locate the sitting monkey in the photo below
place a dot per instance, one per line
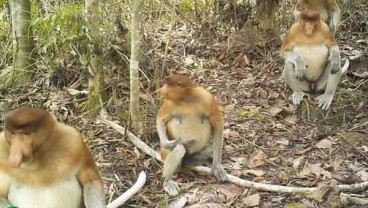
(312, 59)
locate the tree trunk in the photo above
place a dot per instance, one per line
(96, 93)
(266, 12)
(20, 13)
(134, 67)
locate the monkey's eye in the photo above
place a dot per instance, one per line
(180, 84)
(12, 132)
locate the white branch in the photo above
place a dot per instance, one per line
(130, 192)
(233, 179)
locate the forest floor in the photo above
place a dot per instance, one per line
(267, 138)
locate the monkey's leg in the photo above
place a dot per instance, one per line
(297, 86)
(329, 82)
(216, 169)
(171, 164)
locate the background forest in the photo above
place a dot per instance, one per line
(108, 57)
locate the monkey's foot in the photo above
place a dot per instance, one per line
(219, 173)
(171, 187)
(324, 101)
(298, 97)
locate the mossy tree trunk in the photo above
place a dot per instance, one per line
(20, 13)
(96, 93)
(135, 113)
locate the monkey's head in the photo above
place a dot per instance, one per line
(310, 20)
(176, 87)
(27, 130)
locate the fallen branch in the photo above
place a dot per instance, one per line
(233, 179)
(130, 192)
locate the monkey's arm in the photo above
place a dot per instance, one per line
(299, 64)
(90, 179)
(218, 128)
(334, 59)
(335, 15)
(4, 190)
(163, 117)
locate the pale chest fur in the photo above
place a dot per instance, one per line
(67, 193)
(315, 58)
(191, 123)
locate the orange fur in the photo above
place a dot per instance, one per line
(319, 5)
(187, 101)
(297, 34)
(56, 152)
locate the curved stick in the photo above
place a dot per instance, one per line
(233, 179)
(130, 192)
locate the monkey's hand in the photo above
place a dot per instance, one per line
(170, 144)
(188, 143)
(334, 60)
(300, 67)
(171, 187)
(219, 173)
(325, 100)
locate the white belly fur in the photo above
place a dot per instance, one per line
(315, 58)
(200, 130)
(66, 194)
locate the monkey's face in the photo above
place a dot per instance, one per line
(21, 149)
(309, 27)
(173, 92)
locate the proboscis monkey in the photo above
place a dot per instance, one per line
(312, 59)
(46, 164)
(329, 9)
(186, 123)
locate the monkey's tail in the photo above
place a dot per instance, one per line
(344, 69)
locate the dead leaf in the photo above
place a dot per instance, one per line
(324, 144)
(246, 60)
(252, 200)
(283, 141)
(257, 159)
(238, 163)
(361, 75)
(365, 148)
(292, 119)
(363, 175)
(298, 162)
(257, 173)
(314, 169)
(179, 203)
(274, 111)
(230, 190)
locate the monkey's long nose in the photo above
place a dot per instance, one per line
(15, 159)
